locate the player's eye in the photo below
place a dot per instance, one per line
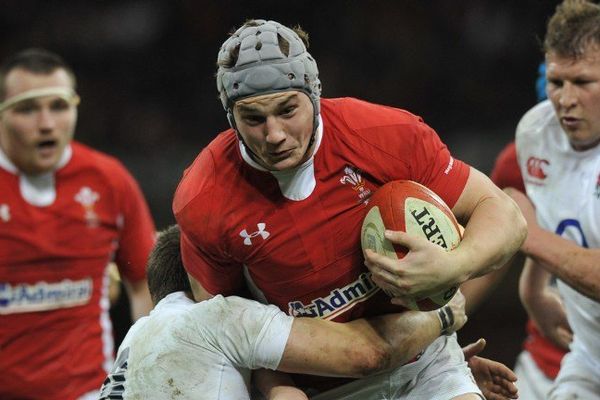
(25, 107)
(59, 105)
(253, 119)
(288, 110)
(555, 82)
(582, 82)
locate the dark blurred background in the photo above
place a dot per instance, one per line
(145, 74)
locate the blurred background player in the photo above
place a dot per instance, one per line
(296, 171)
(66, 211)
(207, 349)
(558, 151)
(538, 363)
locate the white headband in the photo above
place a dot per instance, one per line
(65, 93)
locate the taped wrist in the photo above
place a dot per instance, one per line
(446, 317)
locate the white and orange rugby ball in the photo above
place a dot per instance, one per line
(412, 208)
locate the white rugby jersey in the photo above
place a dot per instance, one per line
(564, 185)
(205, 350)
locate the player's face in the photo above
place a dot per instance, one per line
(277, 128)
(35, 132)
(574, 90)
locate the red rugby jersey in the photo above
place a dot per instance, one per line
(305, 256)
(55, 332)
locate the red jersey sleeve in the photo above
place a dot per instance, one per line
(401, 146)
(433, 166)
(204, 252)
(506, 172)
(137, 231)
(216, 277)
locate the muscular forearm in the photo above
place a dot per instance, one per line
(358, 348)
(577, 266)
(532, 284)
(493, 235)
(494, 232)
(543, 304)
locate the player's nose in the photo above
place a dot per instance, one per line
(46, 121)
(568, 95)
(274, 132)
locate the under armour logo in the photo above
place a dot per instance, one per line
(248, 236)
(4, 212)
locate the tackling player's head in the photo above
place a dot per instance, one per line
(166, 273)
(572, 47)
(269, 86)
(38, 110)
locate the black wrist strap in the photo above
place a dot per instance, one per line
(446, 317)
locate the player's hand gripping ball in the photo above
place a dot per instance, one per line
(412, 208)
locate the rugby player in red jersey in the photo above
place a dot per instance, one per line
(277, 203)
(66, 211)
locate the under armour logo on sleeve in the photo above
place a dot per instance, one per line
(260, 232)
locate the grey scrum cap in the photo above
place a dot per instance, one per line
(261, 66)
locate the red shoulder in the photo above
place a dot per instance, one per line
(359, 114)
(506, 171)
(85, 156)
(199, 184)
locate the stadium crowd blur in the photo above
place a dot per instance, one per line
(146, 77)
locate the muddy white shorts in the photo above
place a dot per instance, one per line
(440, 374)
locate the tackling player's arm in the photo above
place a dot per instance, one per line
(575, 265)
(366, 346)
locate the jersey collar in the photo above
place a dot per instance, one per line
(8, 165)
(295, 183)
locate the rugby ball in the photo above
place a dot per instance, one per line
(410, 207)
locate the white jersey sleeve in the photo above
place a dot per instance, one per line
(198, 350)
(250, 334)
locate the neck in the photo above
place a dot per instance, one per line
(585, 146)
